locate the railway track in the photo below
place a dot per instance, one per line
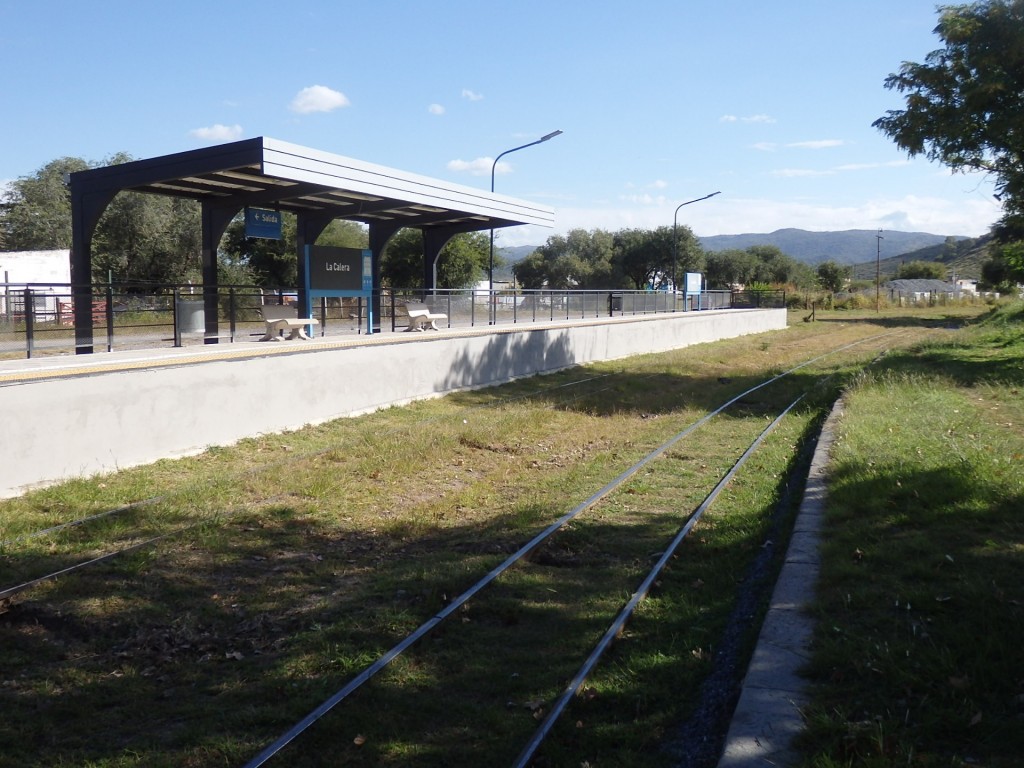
(573, 532)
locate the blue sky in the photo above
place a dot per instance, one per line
(660, 101)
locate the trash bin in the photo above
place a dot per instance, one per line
(190, 316)
(615, 302)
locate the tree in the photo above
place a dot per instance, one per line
(1004, 271)
(579, 260)
(648, 257)
(139, 238)
(531, 273)
(832, 276)
(965, 104)
(773, 267)
(36, 214)
(921, 270)
(460, 264)
(274, 263)
(730, 268)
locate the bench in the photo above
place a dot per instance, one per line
(421, 318)
(281, 317)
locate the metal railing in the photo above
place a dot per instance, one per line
(37, 319)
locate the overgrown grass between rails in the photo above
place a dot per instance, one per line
(917, 654)
(324, 546)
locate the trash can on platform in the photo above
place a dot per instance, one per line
(190, 316)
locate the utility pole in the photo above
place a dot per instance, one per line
(878, 271)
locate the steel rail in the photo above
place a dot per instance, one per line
(627, 611)
(385, 659)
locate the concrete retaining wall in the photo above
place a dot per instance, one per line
(76, 426)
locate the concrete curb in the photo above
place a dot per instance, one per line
(768, 715)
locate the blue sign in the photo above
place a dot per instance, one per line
(260, 222)
(367, 271)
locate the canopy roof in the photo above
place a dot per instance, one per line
(265, 172)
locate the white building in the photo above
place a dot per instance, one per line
(46, 273)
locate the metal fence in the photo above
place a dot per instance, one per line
(37, 319)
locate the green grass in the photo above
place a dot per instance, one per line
(301, 557)
(917, 654)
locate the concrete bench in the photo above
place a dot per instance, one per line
(421, 317)
(282, 317)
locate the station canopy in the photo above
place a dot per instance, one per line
(287, 177)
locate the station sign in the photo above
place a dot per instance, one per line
(259, 222)
(338, 271)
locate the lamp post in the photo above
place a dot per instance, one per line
(675, 240)
(490, 267)
(878, 271)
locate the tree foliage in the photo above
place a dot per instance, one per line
(833, 276)
(965, 103)
(139, 238)
(462, 261)
(36, 214)
(596, 259)
(764, 265)
(730, 268)
(648, 258)
(921, 270)
(577, 260)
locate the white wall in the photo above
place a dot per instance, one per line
(35, 266)
(112, 415)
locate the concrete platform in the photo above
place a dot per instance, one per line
(75, 416)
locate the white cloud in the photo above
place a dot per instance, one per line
(660, 184)
(479, 167)
(318, 98)
(435, 109)
(217, 132)
(471, 95)
(796, 173)
(747, 119)
(644, 199)
(766, 146)
(819, 144)
(872, 166)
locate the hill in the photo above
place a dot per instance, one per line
(855, 247)
(964, 258)
(850, 246)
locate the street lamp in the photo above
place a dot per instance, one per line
(878, 272)
(490, 268)
(675, 240)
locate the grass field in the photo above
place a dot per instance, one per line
(918, 656)
(289, 563)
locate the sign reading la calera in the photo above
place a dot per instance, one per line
(337, 269)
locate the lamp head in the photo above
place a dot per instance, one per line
(551, 135)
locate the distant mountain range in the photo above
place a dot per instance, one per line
(851, 246)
